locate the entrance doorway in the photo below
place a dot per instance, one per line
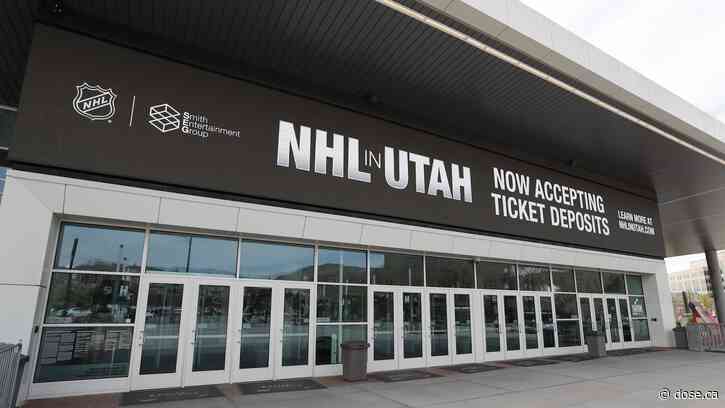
(197, 331)
(399, 322)
(608, 315)
(517, 325)
(418, 327)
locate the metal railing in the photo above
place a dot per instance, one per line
(11, 369)
(706, 336)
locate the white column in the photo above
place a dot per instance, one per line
(26, 227)
(713, 267)
(658, 301)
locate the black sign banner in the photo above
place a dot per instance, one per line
(99, 108)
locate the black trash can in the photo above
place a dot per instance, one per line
(680, 337)
(354, 360)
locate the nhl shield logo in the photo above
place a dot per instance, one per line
(94, 102)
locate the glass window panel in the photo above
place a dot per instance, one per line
(104, 249)
(412, 325)
(383, 326)
(168, 252)
(462, 314)
(511, 318)
(438, 325)
(586, 315)
(547, 322)
(634, 285)
(495, 275)
(256, 327)
(613, 282)
(341, 265)
(396, 269)
(268, 260)
(566, 307)
(296, 327)
(331, 336)
(626, 327)
(637, 305)
(640, 327)
(161, 328)
(338, 303)
(213, 256)
(83, 353)
(563, 279)
(192, 254)
(210, 336)
(531, 331)
(87, 298)
(534, 278)
(599, 316)
(588, 281)
(568, 331)
(448, 273)
(493, 334)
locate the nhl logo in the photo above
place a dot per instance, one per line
(94, 102)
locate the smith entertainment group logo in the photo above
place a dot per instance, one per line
(164, 117)
(94, 102)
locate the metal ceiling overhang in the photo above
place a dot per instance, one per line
(369, 57)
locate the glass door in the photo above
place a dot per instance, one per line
(412, 340)
(512, 327)
(397, 317)
(383, 351)
(493, 335)
(253, 306)
(439, 352)
(599, 322)
(548, 325)
(164, 319)
(530, 317)
(588, 324)
(208, 348)
(613, 323)
(462, 322)
(295, 341)
(626, 322)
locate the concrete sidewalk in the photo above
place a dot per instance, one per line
(628, 381)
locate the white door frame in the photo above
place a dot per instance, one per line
(166, 380)
(494, 355)
(392, 363)
(620, 344)
(473, 309)
(192, 377)
(512, 354)
(280, 371)
(444, 359)
(631, 342)
(539, 349)
(236, 311)
(547, 351)
(415, 362)
(398, 361)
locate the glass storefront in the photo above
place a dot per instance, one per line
(251, 309)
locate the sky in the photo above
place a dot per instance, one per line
(677, 44)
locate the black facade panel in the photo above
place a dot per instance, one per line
(112, 111)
